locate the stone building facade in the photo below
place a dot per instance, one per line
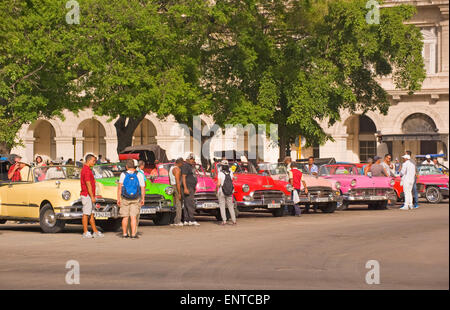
(418, 122)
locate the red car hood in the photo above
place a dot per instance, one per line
(256, 180)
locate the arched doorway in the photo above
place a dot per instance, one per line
(44, 139)
(145, 133)
(93, 134)
(361, 140)
(419, 124)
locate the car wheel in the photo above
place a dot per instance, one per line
(2, 221)
(329, 207)
(278, 212)
(48, 221)
(382, 205)
(110, 225)
(372, 206)
(342, 206)
(433, 194)
(162, 218)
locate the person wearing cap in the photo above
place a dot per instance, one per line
(14, 170)
(130, 207)
(189, 182)
(288, 161)
(408, 174)
(225, 201)
(414, 190)
(427, 160)
(377, 169)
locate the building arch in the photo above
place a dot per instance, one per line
(92, 133)
(145, 133)
(43, 134)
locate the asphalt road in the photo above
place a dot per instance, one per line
(315, 251)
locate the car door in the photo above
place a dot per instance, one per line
(15, 198)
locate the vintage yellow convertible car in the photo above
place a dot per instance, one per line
(51, 195)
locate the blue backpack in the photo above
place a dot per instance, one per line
(130, 187)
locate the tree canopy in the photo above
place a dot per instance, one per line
(292, 63)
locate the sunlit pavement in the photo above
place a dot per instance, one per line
(314, 251)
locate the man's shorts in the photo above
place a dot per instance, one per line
(87, 205)
(130, 207)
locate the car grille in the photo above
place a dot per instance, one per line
(371, 191)
(205, 196)
(319, 191)
(261, 195)
(153, 198)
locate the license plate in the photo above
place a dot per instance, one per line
(377, 198)
(210, 205)
(148, 211)
(322, 199)
(273, 205)
(101, 215)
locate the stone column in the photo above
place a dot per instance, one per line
(79, 148)
(111, 149)
(64, 147)
(28, 149)
(337, 149)
(444, 50)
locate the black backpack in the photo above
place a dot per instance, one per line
(227, 186)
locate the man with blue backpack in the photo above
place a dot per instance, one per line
(130, 197)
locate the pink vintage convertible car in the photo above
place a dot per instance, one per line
(206, 200)
(359, 189)
(435, 181)
(323, 193)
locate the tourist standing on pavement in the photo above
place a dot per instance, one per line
(295, 178)
(388, 165)
(88, 197)
(140, 170)
(225, 191)
(175, 181)
(189, 182)
(377, 169)
(415, 192)
(130, 197)
(288, 162)
(408, 174)
(312, 168)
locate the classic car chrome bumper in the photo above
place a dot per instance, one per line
(156, 207)
(316, 200)
(360, 198)
(265, 204)
(369, 194)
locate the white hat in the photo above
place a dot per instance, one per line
(224, 162)
(428, 156)
(406, 156)
(135, 163)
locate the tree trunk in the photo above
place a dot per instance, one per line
(125, 131)
(4, 149)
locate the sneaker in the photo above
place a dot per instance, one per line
(98, 234)
(416, 207)
(87, 235)
(194, 223)
(125, 236)
(186, 223)
(134, 237)
(404, 208)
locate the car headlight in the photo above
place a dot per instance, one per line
(245, 188)
(353, 182)
(169, 190)
(66, 195)
(392, 182)
(338, 185)
(289, 187)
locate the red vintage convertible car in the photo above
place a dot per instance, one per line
(253, 192)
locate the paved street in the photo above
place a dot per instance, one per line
(315, 251)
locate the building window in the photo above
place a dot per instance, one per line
(316, 151)
(367, 149)
(429, 50)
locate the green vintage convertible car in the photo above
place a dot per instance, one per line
(158, 205)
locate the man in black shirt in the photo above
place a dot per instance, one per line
(189, 181)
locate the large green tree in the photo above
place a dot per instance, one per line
(35, 54)
(142, 57)
(296, 63)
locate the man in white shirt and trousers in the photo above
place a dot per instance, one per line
(408, 174)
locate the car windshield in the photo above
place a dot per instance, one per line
(55, 173)
(338, 170)
(428, 170)
(240, 167)
(272, 169)
(108, 171)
